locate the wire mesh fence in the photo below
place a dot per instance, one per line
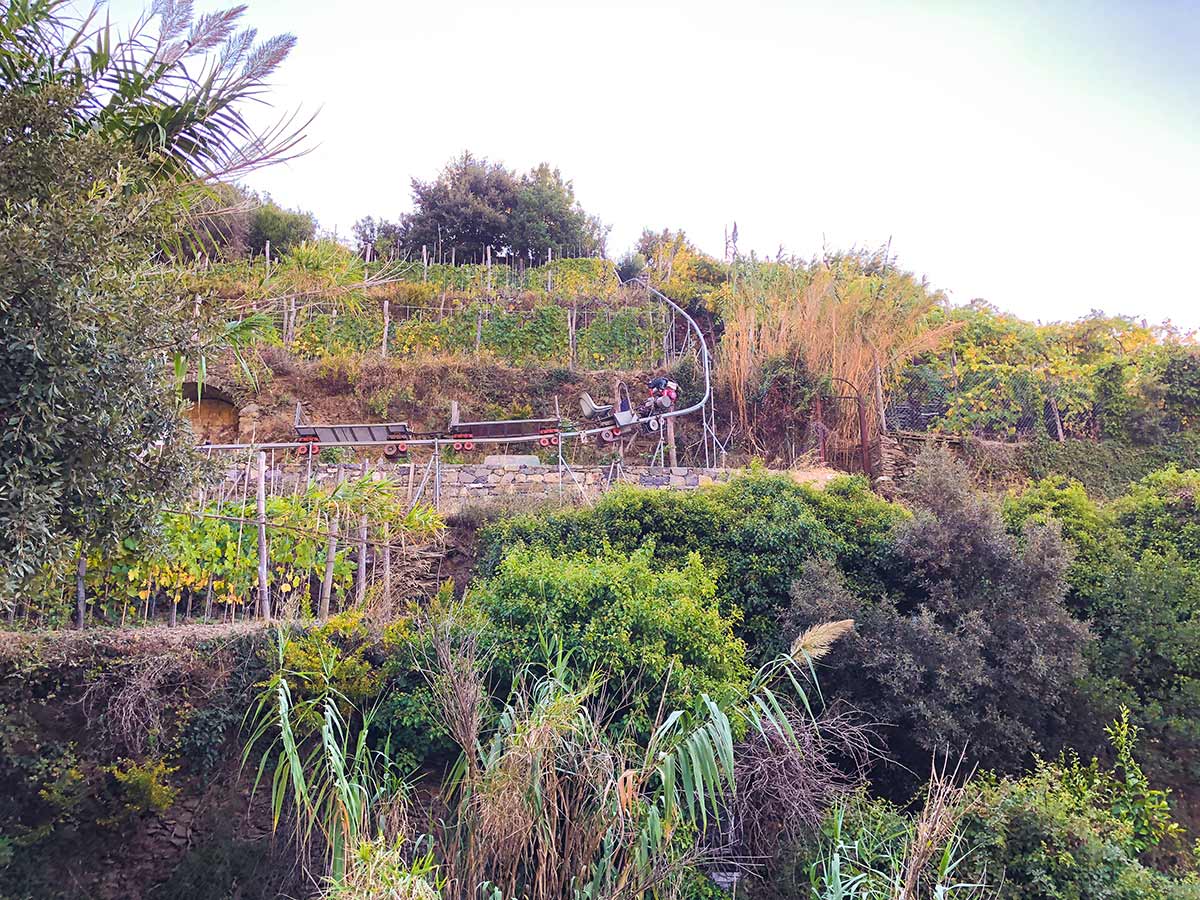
(998, 403)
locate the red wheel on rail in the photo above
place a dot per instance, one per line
(314, 448)
(402, 447)
(544, 442)
(608, 435)
(458, 445)
(390, 451)
(554, 440)
(468, 445)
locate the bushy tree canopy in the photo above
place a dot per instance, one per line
(474, 204)
(91, 428)
(283, 228)
(650, 631)
(971, 646)
(104, 140)
(756, 532)
(1136, 580)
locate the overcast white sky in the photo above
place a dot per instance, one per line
(1042, 156)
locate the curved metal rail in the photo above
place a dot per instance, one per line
(523, 439)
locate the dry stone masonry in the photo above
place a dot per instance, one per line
(461, 485)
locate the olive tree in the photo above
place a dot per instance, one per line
(105, 142)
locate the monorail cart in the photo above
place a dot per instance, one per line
(394, 436)
(464, 434)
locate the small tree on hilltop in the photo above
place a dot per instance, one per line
(474, 204)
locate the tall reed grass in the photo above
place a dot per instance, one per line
(848, 320)
(549, 799)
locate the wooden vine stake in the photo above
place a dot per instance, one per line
(330, 553)
(387, 563)
(360, 586)
(264, 590)
(81, 589)
(572, 318)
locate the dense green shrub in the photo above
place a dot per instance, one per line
(1181, 378)
(970, 646)
(1148, 628)
(1136, 580)
(644, 628)
(1068, 830)
(1161, 512)
(1104, 468)
(1063, 831)
(1087, 526)
(756, 531)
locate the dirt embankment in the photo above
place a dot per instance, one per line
(120, 769)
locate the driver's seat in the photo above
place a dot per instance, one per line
(593, 410)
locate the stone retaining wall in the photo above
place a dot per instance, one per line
(461, 485)
(464, 484)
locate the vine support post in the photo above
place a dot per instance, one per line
(819, 419)
(880, 401)
(387, 563)
(264, 590)
(572, 318)
(360, 585)
(330, 553)
(437, 474)
(387, 322)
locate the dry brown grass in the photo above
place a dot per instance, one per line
(946, 802)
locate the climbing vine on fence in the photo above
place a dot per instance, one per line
(606, 338)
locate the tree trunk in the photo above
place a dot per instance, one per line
(80, 590)
(1058, 426)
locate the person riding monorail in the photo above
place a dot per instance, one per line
(663, 394)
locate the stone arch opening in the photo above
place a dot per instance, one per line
(213, 414)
